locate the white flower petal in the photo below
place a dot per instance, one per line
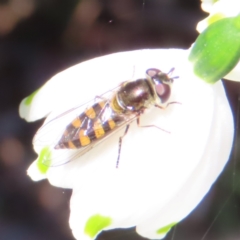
(220, 9)
(207, 5)
(166, 187)
(201, 179)
(98, 75)
(133, 65)
(161, 176)
(72, 86)
(35, 173)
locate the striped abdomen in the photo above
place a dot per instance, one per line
(93, 124)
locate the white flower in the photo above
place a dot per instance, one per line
(207, 5)
(218, 10)
(161, 176)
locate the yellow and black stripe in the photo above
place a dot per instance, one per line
(89, 127)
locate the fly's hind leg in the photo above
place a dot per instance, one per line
(120, 144)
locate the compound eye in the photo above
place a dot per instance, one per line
(160, 89)
(163, 91)
(152, 72)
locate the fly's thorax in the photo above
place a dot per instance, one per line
(135, 96)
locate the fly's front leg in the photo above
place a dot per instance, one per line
(161, 107)
(138, 123)
(120, 144)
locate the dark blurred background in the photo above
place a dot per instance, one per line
(39, 38)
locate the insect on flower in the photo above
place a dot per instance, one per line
(93, 121)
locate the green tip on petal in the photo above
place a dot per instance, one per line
(215, 18)
(95, 224)
(164, 230)
(217, 50)
(28, 100)
(44, 160)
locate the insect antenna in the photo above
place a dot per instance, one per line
(170, 73)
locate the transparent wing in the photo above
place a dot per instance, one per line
(49, 135)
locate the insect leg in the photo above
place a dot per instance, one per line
(173, 103)
(138, 123)
(120, 144)
(161, 107)
(99, 97)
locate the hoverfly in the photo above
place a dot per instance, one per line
(93, 122)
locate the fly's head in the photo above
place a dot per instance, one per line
(161, 83)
